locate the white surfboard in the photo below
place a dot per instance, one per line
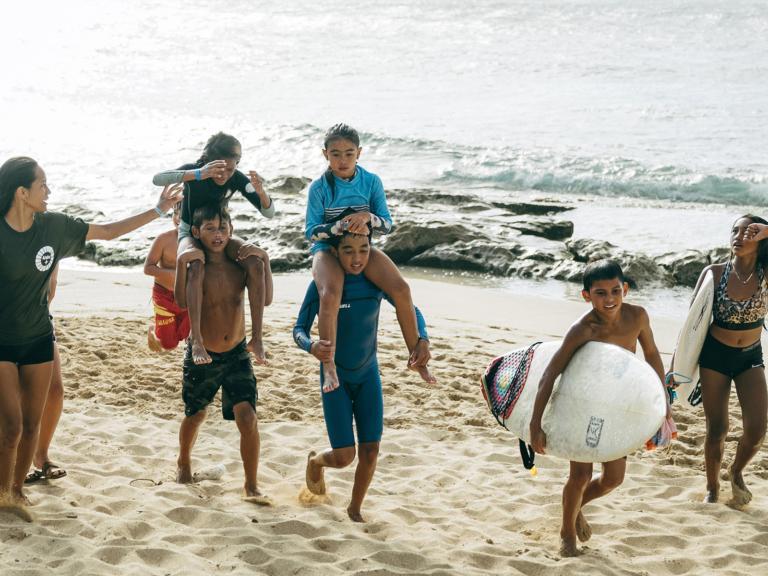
(691, 340)
(606, 404)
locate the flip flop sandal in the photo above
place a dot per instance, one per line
(34, 476)
(50, 471)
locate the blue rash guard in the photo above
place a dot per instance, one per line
(359, 393)
(326, 207)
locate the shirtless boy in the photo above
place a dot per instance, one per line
(171, 322)
(613, 322)
(222, 324)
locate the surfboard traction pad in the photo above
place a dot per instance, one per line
(504, 380)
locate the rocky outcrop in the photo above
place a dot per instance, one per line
(685, 267)
(584, 249)
(545, 228)
(80, 211)
(639, 269)
(478, 256)
(567, 270)
(410, 239)
(107, 256)
(288, 184)
(536, 209)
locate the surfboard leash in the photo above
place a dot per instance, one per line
(528, 456)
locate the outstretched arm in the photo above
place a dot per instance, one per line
(169, 197)
(575, 338)
(215, 168)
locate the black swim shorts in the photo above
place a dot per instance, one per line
(728, 360)
(38, 352)
(231, 371)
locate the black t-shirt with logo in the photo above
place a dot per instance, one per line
(27, 260)
(199, 193)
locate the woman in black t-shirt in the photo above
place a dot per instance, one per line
(212, 180)
(32, 241)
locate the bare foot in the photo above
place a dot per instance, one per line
(568, 548)
(712, 496)
(315, 476)
(184, 475)
(425, 374)
(355, 516)
(330, 380)
(741, 495)
(257, 348)
(583, 529)
(255, 496)
(200, 354)
(152, 342)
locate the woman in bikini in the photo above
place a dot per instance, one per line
(732, 352)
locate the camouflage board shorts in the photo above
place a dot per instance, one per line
(231, 371)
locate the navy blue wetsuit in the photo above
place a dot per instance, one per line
(359, 393)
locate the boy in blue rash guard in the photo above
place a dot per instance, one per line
(358, 393)
(212, 181)
(349, 198)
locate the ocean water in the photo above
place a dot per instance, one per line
(651, 118)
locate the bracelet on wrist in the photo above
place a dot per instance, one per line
(159, 212)
(197, 175)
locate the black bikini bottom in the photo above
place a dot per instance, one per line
(729, 360)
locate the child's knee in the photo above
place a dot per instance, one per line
(198, 417)
(344, 456)
(245, 417)
(330, 295)
(368, 453)
(612, 480)
(195, 271)
(253, 265)
(580, 479)
(400, 290)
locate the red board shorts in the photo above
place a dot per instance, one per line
(171, 322)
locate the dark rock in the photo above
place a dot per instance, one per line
(409, 239)
(105, 256)
(421, 196)
(640, 269)
(470, 208)
(529, 269)
(584, 249)
(80, 211)
(283, 260)
(529, 208)
(719, 255)
(685, 267)
(533, 253)
(289, 184)
(478, 255)
(568, 270)
(243, 217)
(545, 228)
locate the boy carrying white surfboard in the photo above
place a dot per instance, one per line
(613, 322)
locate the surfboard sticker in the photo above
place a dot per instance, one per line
(594, 430)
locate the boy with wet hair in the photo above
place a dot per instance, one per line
(222, 324)
(614, 322)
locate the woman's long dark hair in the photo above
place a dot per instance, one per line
(221, 146)
(762, 247)
(15, 172)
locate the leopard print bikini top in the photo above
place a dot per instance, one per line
(741, 314)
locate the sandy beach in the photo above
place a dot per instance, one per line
(450, 495)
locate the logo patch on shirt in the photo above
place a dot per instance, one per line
(44, 258)
(345, 306)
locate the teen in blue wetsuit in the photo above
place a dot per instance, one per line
(349, 198)
(358, 392)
